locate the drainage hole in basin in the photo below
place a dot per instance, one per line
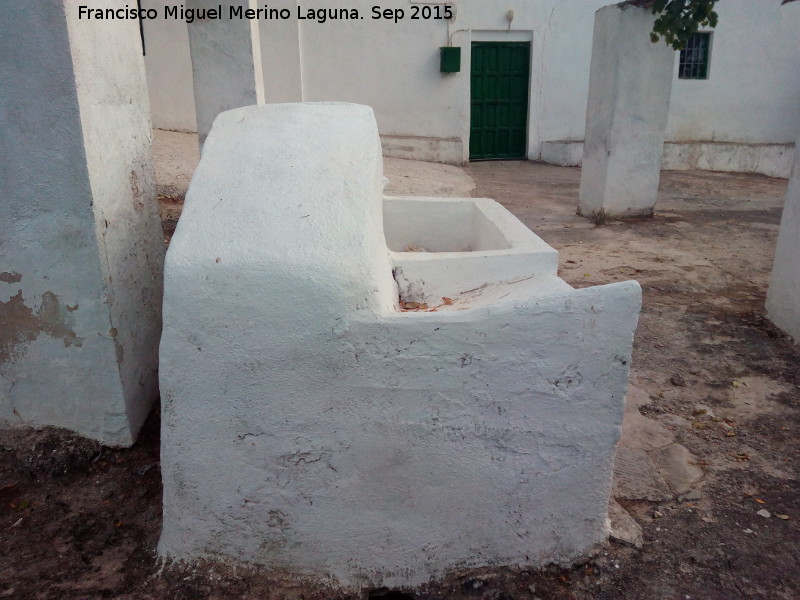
(387, 594)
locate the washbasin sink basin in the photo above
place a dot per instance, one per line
(446, 247)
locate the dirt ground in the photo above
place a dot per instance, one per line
(81, 521)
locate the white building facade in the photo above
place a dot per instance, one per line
(741, 116)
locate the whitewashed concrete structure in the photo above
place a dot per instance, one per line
(314, 424)
(81, 247)
(629, 90)
(716, 123)
(226, 67)
(783, 298)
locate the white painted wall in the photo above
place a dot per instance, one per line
(783, 298)
(81, 242)
(387, 66)
(564, 54)
(395, 69)
(751, 97)
(743, 118)
(311, 426)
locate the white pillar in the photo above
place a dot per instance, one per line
(281, 57)
(81, 247)
(783, 298)
(226, 62)
(169, 70)
(629, 89)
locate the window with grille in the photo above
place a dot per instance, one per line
(695, 57)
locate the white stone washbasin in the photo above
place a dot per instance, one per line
(314, 426)
(446, 247)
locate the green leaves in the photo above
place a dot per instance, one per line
(677, 20)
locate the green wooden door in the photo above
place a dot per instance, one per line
(499, 100)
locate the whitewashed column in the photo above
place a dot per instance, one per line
(226, 62)
(783, 298)
(629, 90)
(81, 247)
(280, 52)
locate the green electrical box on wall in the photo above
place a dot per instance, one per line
(450, 59)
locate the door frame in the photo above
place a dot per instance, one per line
(534, 82)
(517, 150)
